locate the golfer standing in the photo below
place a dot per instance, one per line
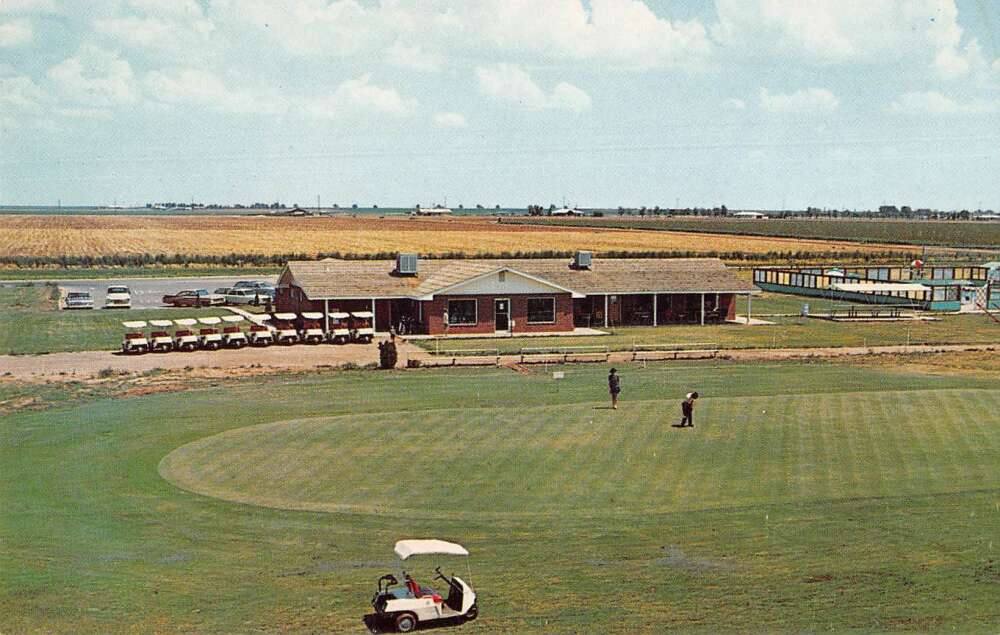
(687, 410)
(614, 387)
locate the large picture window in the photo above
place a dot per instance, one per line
(541, 310)
(461, 312)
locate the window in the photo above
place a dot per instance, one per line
(461, 312)
(541, 310)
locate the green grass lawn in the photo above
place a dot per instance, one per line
(768, 303)
(32, 322)
(809, 497)
(786, 332)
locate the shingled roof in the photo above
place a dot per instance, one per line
(328, 279)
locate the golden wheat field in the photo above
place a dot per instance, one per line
(214, 235)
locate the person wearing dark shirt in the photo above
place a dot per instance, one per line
(687, 409)
(614, 387)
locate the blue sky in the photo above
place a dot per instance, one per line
(747, 103)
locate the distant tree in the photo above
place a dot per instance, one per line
(621, 210)
(354, 206)
(498, 206)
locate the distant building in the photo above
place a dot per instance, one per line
(749, 215)
(431, 211)
(295, 211)
(566, 211)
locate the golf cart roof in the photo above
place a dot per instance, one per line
(210, 320)
(362, 314)
(161, 323)
(232, 318)
(138, 324)
(312, 315)
(340, 316)
(185, 321)
(406, 548)
(284, 316)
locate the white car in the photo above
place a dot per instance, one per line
(409, 604)
(243, 295)
(118, 297)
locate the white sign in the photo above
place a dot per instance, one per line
(559, 375)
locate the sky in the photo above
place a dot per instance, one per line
(846, 104)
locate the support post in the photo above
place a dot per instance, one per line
(326, 316)
(605, 310)
(703, 309)
(373, 315)
(749, 305)
(654, 309)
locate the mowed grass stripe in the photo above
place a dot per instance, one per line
(585, 461)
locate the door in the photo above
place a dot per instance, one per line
(501, 315)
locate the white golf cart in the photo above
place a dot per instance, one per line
(284, 325)
(135, 341)
(184, 338)
(407, 604)
(160, 340)
(340, 331)
(362, 326)
(232, 335)
(312, 328)
(210, 338)
(260, 335)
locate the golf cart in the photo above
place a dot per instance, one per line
(340, 332)
(284, 324)
(362, 326)
(135, 342)
(407, 604)
(312, 328)
(184, 338)
(210, 338)
(260, 335)
(161, 340)
(232, 335)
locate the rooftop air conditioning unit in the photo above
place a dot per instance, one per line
(406, 264)
(582, 260)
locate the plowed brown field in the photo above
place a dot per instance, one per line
(214, 235)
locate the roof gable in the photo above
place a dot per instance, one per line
(502, 281)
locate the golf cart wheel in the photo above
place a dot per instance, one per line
(406, 622)
(473, 612)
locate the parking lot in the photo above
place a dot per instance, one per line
(148, 292)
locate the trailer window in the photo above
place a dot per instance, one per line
(461, 312)
(541, 310)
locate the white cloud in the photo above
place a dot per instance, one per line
(27, 6)
(807, 100)
(19, 93)
(414, 58)
(15, 33)
(196, 86)
(359, 96)
(734, 104)
(838, 31)
(450, 120)
(620, 32)
(508, 82)
(84, 113)
(95, 76)
(935, 103)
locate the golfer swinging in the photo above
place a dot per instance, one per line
(614, 387)
(687, 409)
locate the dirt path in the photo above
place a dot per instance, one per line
(300, 357)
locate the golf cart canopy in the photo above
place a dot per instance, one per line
(365, 314)
(285, 317)
(406, 548)
(309, 315)
(138, 324)
(210, 320)
(340, 316)
(161, 323)
(232, 318)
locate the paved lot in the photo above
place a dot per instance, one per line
(147, 292)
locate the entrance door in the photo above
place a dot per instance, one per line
(501, 315)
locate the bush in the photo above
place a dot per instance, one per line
(387, 354)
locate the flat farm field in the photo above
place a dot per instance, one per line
(958, 234)
(49, 236)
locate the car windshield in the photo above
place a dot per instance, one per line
(79, 296)
(117, 289)
(201, 292)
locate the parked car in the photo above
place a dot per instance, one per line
(78, 300)
(195, 298)
(244, 295)
(118, 297)
(262, 288)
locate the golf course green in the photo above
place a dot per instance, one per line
(809, 497)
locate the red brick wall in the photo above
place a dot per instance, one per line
(434, 314)
(727, 302)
